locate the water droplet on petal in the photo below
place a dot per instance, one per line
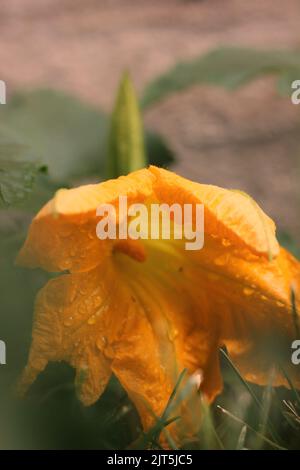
(92, 320)
(104, 347)
(97, 301)
(172, 334)
(68, 321)
(225, 242)
(248, 291)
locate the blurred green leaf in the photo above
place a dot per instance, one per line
(126, 148)
(17, 172)
(70, 137)
(228, 67)
(66, 133)
(16, 180)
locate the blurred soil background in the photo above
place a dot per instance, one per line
(247, 139)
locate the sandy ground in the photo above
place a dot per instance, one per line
(248, 139)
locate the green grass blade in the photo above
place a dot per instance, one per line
(173, 394)
(290, 382)
(240, 421)
(242, 438)
(251, 392)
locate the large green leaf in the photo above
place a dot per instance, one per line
(17, 172)
(66, 133)
(126, 147)
(228, 67)
(70, 137)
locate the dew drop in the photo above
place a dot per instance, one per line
(97, 301)
(248, 291)
(92, 320)
(68, 321)
(172, 334)
(225, 242)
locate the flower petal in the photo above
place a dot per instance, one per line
(228, 214)
(63, 234)
(69, 321)
(93, 322)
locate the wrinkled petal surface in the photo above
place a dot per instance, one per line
(147, 309)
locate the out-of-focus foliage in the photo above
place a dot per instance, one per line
(16, 180)
(228, 67)
(126, 148)
(68, 136)
(65, 133)
(17, 171)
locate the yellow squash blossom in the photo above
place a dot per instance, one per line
(146, 309)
